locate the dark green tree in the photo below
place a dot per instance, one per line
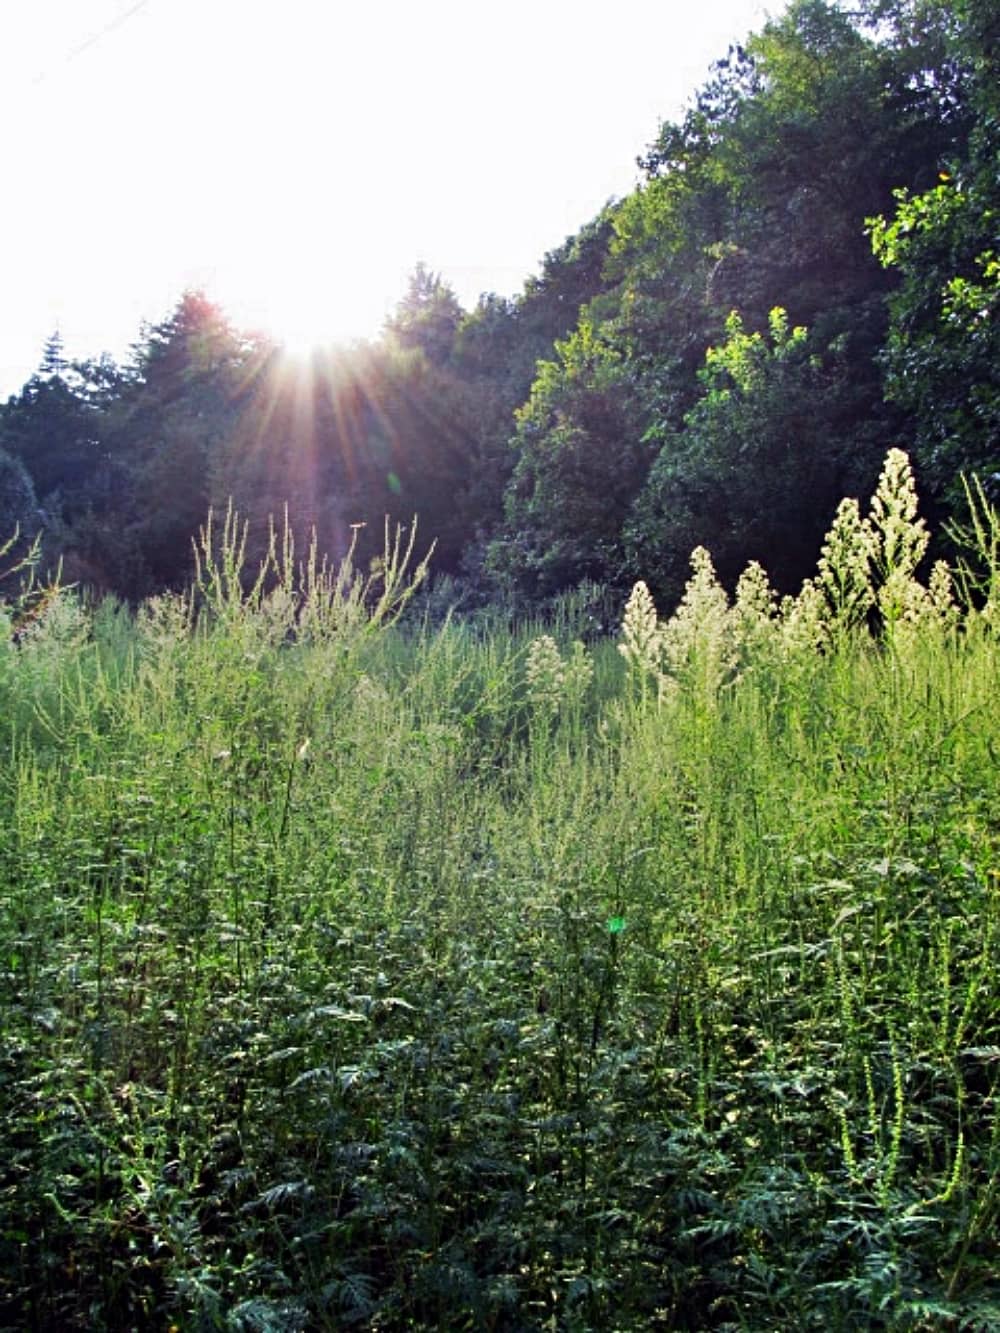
(427, 317)
(943, 353)
(18, 505)
(756, 199)
(51, 427)
(409, 451)
(497, 352)
(580, 462)
(194, 373)
(758, 467)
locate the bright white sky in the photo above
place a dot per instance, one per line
(297, 157)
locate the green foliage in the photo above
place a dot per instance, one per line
(943, 348)
(358, 974)
(497, 349)
(18, 505)
(768, 410)
(754, 201)
(428, 316)
(49, 427)
(579, 463)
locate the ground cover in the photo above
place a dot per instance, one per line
(362, 972)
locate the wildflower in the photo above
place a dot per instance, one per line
(578, 673)
(753, 611)
(845, 566)
(642, 640)
(546, 674)
(698, 641)
(941, 591)
(899, 537)
(804, 625)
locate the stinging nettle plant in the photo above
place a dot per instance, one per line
(978, 538)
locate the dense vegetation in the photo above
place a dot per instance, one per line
(547, 963)
(807, 276)
(370, 974)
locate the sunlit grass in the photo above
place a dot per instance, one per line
(358, 972)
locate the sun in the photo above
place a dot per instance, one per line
(301, 329)
(302, 305)
(301, 322)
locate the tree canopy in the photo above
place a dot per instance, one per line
(807, 275)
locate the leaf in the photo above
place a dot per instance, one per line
(278, 1195)
(275, 1057)
(310, 1076)
(354, 1294)
(263, 1316)
(336, 1012)
(349, 1076)
(985, 1053)
(846, 913)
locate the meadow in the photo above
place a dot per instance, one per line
(360, 969)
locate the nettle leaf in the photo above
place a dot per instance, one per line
(846, 913)
(320, 1074)
(281, 1194)
(277, 1056)
(354, 1294)
(350, 1076)
(335, 1012)
(260, 1316)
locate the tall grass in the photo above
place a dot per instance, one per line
(360, 971)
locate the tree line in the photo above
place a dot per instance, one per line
(807, 275)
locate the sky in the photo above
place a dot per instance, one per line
(297, 159)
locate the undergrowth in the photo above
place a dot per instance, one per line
(363, 972)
